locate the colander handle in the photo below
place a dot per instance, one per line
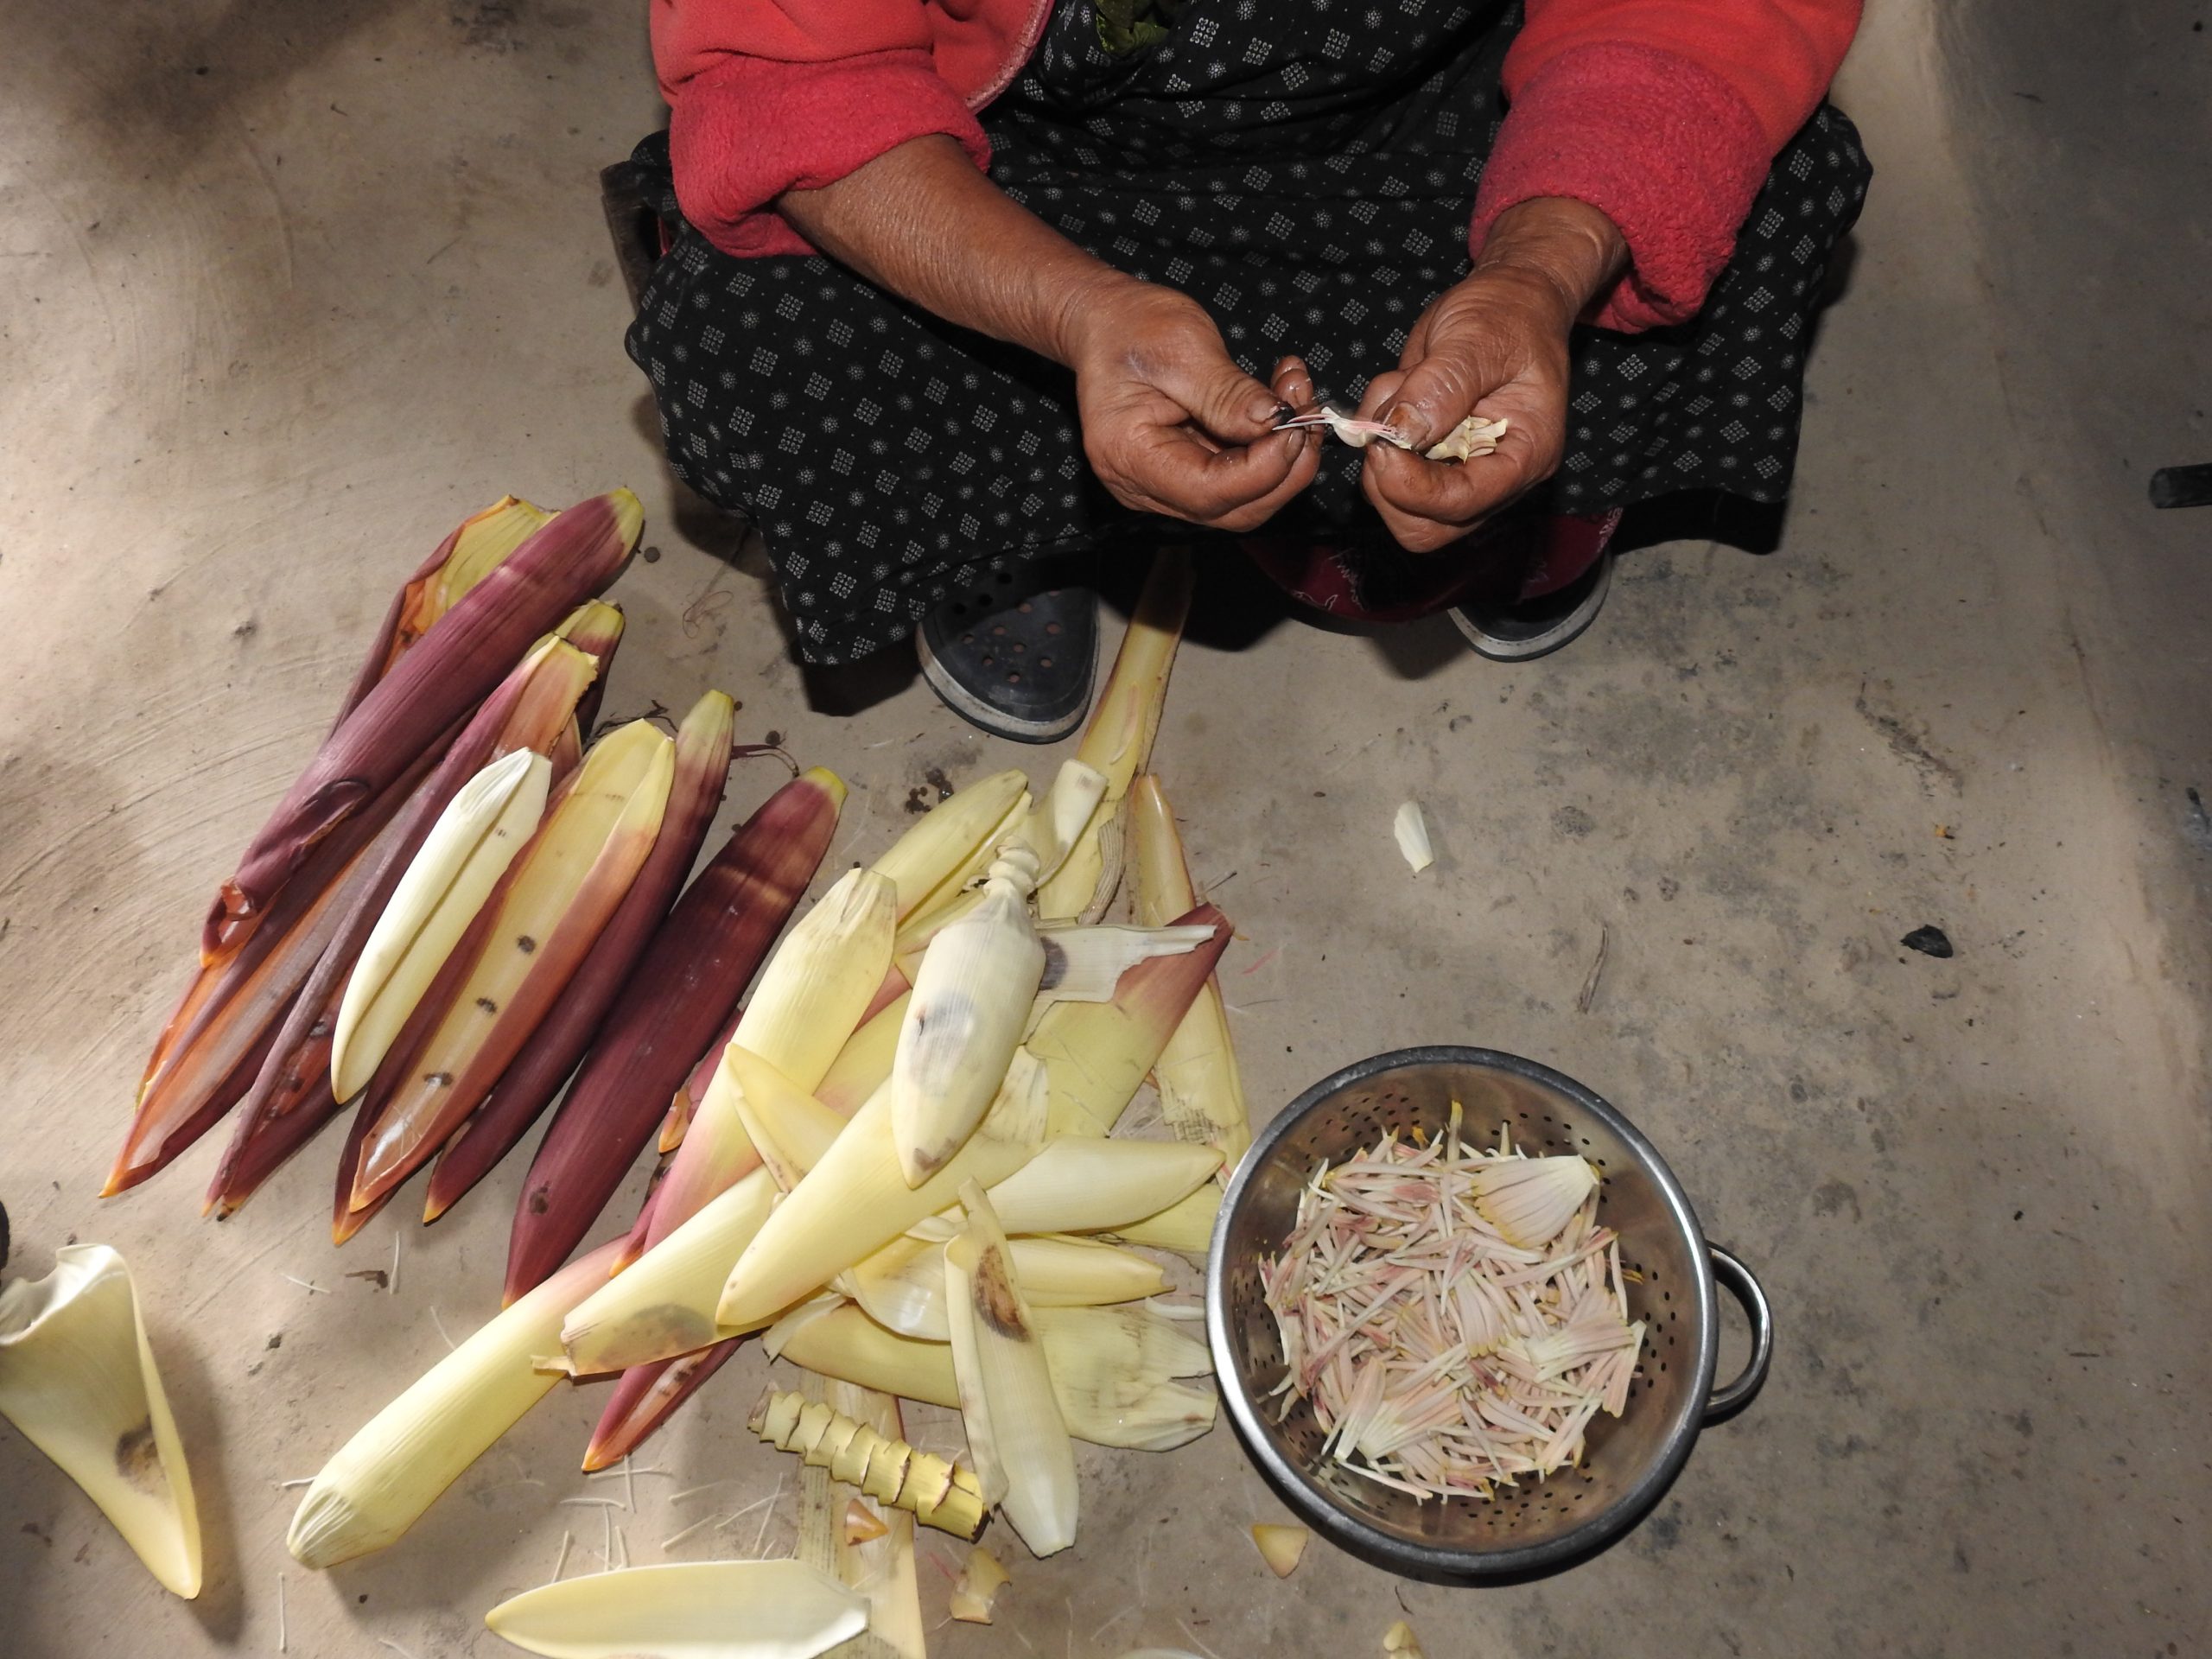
(1740, 1282)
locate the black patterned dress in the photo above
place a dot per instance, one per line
(1306, 170)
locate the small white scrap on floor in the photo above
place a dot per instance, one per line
(1412, 830)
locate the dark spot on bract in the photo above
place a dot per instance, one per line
(138, 1461)
(996, 1302)
(525, 943)
(487, 1005)
(438, 1079)
(539, 1203)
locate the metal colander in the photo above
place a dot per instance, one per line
(1628, 1463)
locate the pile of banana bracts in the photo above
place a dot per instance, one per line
(885, 1121)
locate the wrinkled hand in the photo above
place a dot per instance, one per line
(1494, 345)
(1171, 424)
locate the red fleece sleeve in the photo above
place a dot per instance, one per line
(766, 96)
(1665, 115)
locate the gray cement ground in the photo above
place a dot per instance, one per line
(285, 291)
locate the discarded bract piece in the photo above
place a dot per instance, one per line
(954, 841)
(463, 559)
(1281, 1547)
(1087, 964)
(433, 685)
(1118, 740)
(1201, 1094)
(561, 890)
(381, 1481)
(938, 1493)
(971, 1001)
(574, 1024)
(663, 1305)
(1112, 1368)
(291, 1097)
(808, 1001)
(446, 883)
(977, 1587)
(1412, 830)
(863, 1065)
(1015, 1432)
(644, 1399)
(902, 1286)
(1057, 822)
(1184, 1226)
(856, 1200)
(680, 1000)
(77, 1378)
(1078, 1184)
(862, 1525)
(1095, 1054)
(701, 1610)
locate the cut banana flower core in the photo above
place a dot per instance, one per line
(936, 1493)
(972, 998)
(461, 860)
(77, 1378)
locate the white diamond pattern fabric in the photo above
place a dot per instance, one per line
(1306, 170)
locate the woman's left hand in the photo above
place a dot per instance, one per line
(1494, 345)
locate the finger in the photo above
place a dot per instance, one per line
(1426, 505)
(1222, 398)
(1293, 382)
(1196, 480)
(1380, 389)
(1437, 393)
(1252, 515)
(1451, 494)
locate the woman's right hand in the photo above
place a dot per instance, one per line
(1170, 425)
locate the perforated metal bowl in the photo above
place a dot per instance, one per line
(1628, 1463)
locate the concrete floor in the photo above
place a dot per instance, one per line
(285, 291)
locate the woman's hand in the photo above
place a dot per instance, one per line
(1170, 424)
(1494, 345)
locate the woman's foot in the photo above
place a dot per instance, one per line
(1020, 668)
(1516, 630)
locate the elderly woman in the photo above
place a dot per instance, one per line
(965, 293)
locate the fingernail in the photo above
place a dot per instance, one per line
(1409, 422)
(1283, 412)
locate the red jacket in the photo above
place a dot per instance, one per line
(1665, 114)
